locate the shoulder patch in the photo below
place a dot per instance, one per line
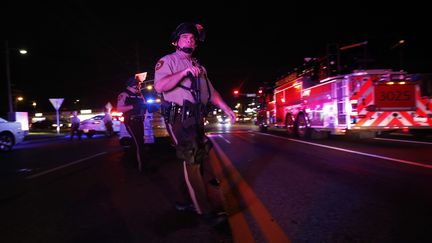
(121, 96)
(159, 64)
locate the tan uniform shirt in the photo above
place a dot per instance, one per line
(173, 63)
(121, 100)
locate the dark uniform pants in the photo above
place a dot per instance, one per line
(135, 127)
(192, 147)
(75, 129)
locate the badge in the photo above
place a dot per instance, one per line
(159, 64)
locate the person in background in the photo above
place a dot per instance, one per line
(108, 123)
(75, 124)
(132, 104)
(186, 92)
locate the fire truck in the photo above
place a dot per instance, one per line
(362, 103)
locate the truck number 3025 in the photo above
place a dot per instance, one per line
(394, 95)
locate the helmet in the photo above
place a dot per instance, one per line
(196, 29)
(131, 82)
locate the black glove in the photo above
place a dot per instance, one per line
(152, 107)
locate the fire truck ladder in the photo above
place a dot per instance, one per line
(342, 101)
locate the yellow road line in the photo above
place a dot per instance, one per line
(270, 229)
(239, 227)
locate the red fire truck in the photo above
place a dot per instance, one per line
(362, 102)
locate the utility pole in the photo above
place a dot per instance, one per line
(11, 115)
(399, 45)
(9, 89)
(333, 59)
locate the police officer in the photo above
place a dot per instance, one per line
(107, 119)
(75, 123)
(132, 104)
(187, 90)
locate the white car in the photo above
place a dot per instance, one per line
(154, 129)
(223, 119)
(96, 125)
(11, 133)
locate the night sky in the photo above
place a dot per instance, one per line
(86, 51)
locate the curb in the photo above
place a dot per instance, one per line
(42, 136)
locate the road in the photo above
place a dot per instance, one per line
(275, 188)
(91, 191)
(334, 190)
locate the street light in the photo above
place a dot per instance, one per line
(400, 44)
(8, 79)
(34, 104)
(18, 99)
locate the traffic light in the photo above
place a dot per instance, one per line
(260, 91)
(236, 92)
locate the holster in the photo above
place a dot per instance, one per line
(169, 111)
(193, 113)
(190, 113)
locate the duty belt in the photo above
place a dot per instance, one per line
(135, 117)
(172, 111)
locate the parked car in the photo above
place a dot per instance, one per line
(10, 134)
(243, 119)
(50, 125)
(96, 125)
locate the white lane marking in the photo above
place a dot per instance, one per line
(63, 166)
(402, 141)
(355, 152)
(226, 140)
